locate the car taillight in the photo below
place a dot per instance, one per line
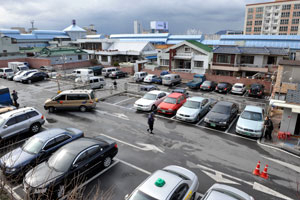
(42, 117)
(208, 87)
(225, 89)
(249, 91)
(216, 87)
(91, 101)
(260, 92)
(116, 145)
(4, 74)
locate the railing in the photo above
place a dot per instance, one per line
(182, 70)
(183, 54)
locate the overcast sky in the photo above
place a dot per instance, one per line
(117, 16)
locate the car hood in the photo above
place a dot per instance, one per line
(188, 111)
(166, 106)
(16, 158)
(217, 117)
(194, 82)
(41, 176)
(17, 77)
(145, 102)
(250, 124)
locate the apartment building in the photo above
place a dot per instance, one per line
(280, 17)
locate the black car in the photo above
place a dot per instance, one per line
(223, 87)
(34, 77)
(208, 86)
(221, 115)
(256, 90)
(148, 88)
(69, 166)
(117, 74)
(97, 70)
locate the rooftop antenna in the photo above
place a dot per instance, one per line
(32, 24)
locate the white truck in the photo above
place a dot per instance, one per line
(17, 66)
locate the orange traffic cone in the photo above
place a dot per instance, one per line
(256, 172)
(264, 174)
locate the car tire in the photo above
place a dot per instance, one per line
(35, 128)
(51, 109)
(153, 108)
(107, 162)
(82, 108)
(198, 118)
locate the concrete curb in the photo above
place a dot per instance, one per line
(282, 148)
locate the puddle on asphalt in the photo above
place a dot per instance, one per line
(50, 120)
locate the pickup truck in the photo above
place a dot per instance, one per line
(197, 81)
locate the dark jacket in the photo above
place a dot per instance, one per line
(150, 118)
(15, 96)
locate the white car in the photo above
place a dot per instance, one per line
(225, 192)
(149, 77)
(251, 122)
(150, 100)
(21, 74)
(238, 88)
(6, 73)
(172, 182)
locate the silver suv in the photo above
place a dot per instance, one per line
(20, 121)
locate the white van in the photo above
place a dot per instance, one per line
(83, 73)
(107, 71)
(139, 76)
(171, 79)
(97, 82)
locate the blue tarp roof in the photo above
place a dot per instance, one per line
(151, 57)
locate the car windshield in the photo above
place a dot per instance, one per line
(19, 72)
(254, 86)
(2, 120)
(139, 195)
(9, 70)
(222, 84)
(166, 77)
(238, 86)
(206, 83)
(170, 100)
(222, 109)
(192, 104)
(33, 145)
(61, 160)
(149, 96)
(252, 116)
(198, 79)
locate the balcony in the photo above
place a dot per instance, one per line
(239, 67)
(185, 56)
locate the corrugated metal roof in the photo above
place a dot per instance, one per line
(251, 50)
(128, 46)
(48, 32)
(185, 37)
(260, 37)
(9, 31)
(153, 40)
(154, 35)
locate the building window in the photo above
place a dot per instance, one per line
(258, 16)
(257, 29)
(70, 58)
(259, 9)
(276, 14)
(269, 7)
(274, 27)
(269, 14)
(272, 60)
(187, 49)
(249, 23)
(164, 62)
(104, 58)
(296, 14)
(250, 17)
(247, 59)
(293, 33)
(286, 7)
(223, 58)
(266, 28)
(295, 21)
(282, 33)
(284, 21)
(294, 28)
(248, 29)
(283, 28)
(285, 14)
(258, 22)
(79, 57)
(267, 21)
(250, 10)
(198, 64)
(296, 6)
(276, 7)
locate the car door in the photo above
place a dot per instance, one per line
(9, 128)
(180, 192)
(204, 107)
(61, 101)
(160, 98)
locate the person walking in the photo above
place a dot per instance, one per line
(151, 122)
(115, 84)
(15, 98)
(268, 128)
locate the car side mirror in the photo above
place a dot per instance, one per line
(126, 196)
(5, 126)
(74, 166)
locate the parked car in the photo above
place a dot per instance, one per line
(21, 74)
(6, 73)
(149, 78)
(97, 70)
(221, 191)
(34, 77)
(171, 103)
(208, 86)
(197, 81)
(139, 76)
(182, 91)
(193, 109)
(251, 122)
(83, 74)
(70, 163)
(171, 79)
(221, 115)
(6, 108)
(36, 149)
(223, 87)
(150, 100)
(117, 74)
(238, 88)
(97, 82)
(157, 80)
(106, 71)
(47, 68)
(148, 88)
(72, 99)
(256, 90)
(171, 182)
(20, 121)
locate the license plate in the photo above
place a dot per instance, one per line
(220, 90)
(163, 111)
(213, 124)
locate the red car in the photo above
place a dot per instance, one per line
(171, 103)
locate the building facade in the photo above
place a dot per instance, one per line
(280, 17)
(9, 49)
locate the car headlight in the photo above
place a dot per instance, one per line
(170, 109)
(11, 169)
(224, 123)
(206, 119)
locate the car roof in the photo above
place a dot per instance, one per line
(76, 92)
(225, 192)
(20, 110)
(156, 92)
(50, 133)
(199, 99)
(171, 181)
(95, 77)
(175, 95)
(223, 83)
(225, 103)
(241, 84)
(170, 75)
(253, 109)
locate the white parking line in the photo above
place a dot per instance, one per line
(18, 186)
(126, 143)
(124, 100)
(133, 166)
(200, 121)
(230, 125)
(102, 102)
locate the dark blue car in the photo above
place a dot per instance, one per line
(36, 149)
(158, 80)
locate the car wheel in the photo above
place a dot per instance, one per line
(101, 86)
(82, 108)
(198, 118)
(29, 81)
(117, 77)
(51, 109)
(35, 128)
(153, 108)
(107, 162)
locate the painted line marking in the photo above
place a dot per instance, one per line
(276, 148)
(102, 102)
(124, 100)
(230, 125)
(135, 167)
(118, 115)
(200, 121)
(288, 165)
(18, 186)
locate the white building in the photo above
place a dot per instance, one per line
(74, 31)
